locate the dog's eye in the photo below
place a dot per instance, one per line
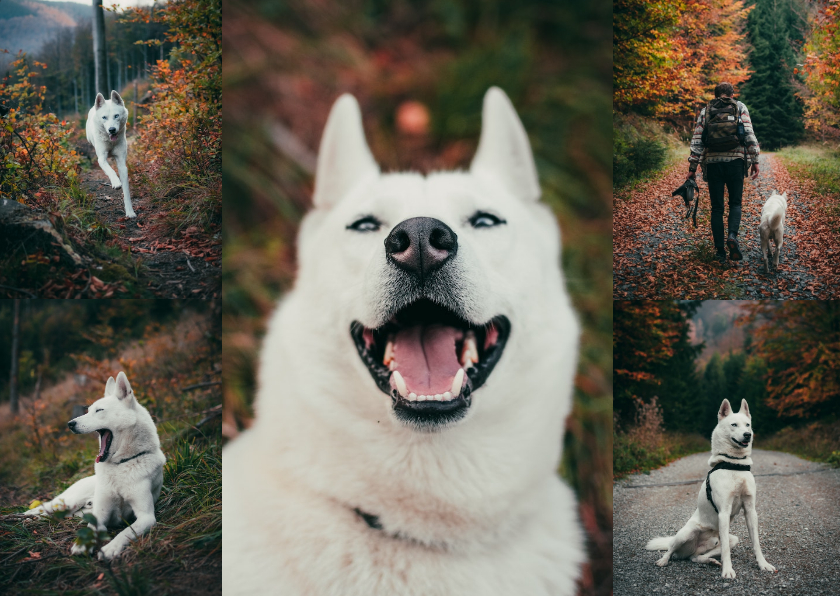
(366, 224)
(485, 220)
(99, 410)
(733, 424)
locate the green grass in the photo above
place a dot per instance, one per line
(818, 441)
(642, 150)
(820, 164)
(632, 457)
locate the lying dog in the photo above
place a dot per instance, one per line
(128, 471)
(413, 387)
(105, 130)
(773, 226)
(729, 488)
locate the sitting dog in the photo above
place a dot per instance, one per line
(128, 470)
(773, 226)
(105, 130)
(729, 488)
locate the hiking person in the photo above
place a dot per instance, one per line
(725, 147)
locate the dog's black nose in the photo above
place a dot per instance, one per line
(112, 130)
(72, 425)
(420, 245)
(747, 436)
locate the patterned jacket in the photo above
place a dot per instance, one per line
(699, 154)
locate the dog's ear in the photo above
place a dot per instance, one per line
(115, 97)
(504, 152)
(745, 409)
(123, 386)
(99, 101)
(344, 158)
(784, 195)
(725, 410)
(110, 386)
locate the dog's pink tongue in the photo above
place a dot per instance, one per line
(113, 137)
(426, 357)
(103, 444)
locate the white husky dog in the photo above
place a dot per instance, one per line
(413, 387)
(773, 226)
(105, 130)
(728, 488)
(128, 470)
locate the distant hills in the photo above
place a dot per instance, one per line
(27, 24)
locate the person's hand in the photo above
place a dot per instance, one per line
(691, 175)
(754, 171)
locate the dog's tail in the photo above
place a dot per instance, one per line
(776, 219)
(660, 543)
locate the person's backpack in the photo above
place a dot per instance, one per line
(724, 130)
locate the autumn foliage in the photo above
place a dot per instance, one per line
(669, 54)
(822, 71)
(35, 147)
(800, 344)
(177, 152)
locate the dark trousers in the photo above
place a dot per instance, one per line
(729, 174)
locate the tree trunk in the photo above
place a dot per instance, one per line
(99, 48)
(13, 381)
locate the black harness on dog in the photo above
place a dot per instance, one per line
(724, 465)
(122, 461)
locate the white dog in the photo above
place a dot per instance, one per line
(105, 130)
(728, 488)
(128, 470)
(413, 387)
(773, 226)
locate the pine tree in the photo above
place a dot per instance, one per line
(775, 111)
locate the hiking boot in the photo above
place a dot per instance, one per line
(734, 251)
(720, 257)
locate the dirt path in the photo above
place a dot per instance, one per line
(185, 265)
(798, 505)
(659, 254)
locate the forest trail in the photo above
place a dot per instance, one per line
(187, 265)
(797, 520)
(657, 253)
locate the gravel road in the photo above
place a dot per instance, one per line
(798, 504)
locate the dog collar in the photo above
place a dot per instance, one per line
(732, 456)
(724, 465)
(122, 461)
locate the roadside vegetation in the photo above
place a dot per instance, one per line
(171, 353)
(819, 167)
(816, 441)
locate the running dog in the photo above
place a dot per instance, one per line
(105, 130)
(728, 488)
(413, 387)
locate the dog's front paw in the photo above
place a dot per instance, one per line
(130, 214)
(110, 550)
(116, 184)
(78, 549)
(728, 573)
(765, 566)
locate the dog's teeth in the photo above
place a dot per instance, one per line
(457, 382)
(389, 351)
(438, 396)
(412, 396)
(469, 351)
(400, 383)
(447, 396)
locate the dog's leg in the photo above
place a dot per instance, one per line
(765, 245)
(103, 504)
(707, 557)
(129, 211)
(751, 517)
(143, 506)
(109, 171)
(684, 535)
(725, 547)
(779, 241)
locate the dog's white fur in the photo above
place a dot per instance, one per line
(476, 508)
(732, 491)
(105, 130)
(117, 490)
(773, 226)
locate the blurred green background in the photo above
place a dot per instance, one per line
(285, 64)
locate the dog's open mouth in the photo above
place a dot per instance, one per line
(105, 438)
(430, 360)
(113, 138)
(739, 443)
